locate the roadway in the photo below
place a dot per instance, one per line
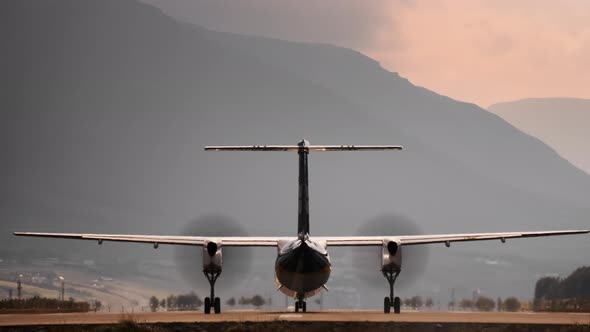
(318, 316)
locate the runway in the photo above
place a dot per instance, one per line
(319, 316)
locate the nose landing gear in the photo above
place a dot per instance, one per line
(300, 304)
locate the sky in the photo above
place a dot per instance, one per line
(480, 51)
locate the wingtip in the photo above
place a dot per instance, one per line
(21, 233)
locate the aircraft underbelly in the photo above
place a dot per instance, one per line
(302, 271)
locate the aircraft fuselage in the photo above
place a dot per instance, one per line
(302, 268)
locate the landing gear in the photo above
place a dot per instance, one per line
(207, 305)
(300, 305)
(391, 301)
(212, 302)
(396, 305)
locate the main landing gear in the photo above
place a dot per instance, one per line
(391, 301)
(212, 302)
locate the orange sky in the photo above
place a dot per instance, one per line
(486, 51)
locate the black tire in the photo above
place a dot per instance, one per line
(217, 305)
(396, 305)
(207, 306)
(386, 305)
(296, 306)
(303, 306)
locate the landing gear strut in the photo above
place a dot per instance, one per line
(391, 301)
(212, 302)
(300, 304)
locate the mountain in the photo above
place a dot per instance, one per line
(106, 106)
(562, 123)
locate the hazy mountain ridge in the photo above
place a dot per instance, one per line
(562, 123)
(109, 103)
(404, 105)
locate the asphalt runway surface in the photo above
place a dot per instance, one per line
(318, 316)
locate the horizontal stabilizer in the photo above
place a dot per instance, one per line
(253, 148)
(296, 148)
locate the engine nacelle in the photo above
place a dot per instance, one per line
(392, 256)
(212, 256)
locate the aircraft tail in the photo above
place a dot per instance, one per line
(303, 148)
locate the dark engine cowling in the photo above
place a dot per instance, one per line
(212, 256)
(391, 256)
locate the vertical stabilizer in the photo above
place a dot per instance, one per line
(303, 214)
(303, 148)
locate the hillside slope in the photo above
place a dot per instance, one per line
(562, 123)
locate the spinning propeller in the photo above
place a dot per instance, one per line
(367, 260)
(236, 261)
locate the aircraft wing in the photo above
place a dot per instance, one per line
(440, 238)
(251, 241)
(331, 241)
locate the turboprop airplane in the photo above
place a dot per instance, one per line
(303, 266)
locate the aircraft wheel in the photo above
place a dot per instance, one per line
(217, 305)
(396, 305)
(303, 307)
(207, 306)
(386, 305)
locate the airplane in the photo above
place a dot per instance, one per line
(302, 266)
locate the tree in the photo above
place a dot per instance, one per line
(244, 301)
(97, 305)
(512, 304)
(231, 302)
(189, 301)
(548, 288)
(417, 302)
(257, 301)
(163, 303)
(429, 303)
(408, 302)
(154, 303)
(196, 301)
(451, 305)
(485, 304)
(466, 304)
(171, 302)
(577, 284)
(571, 293)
